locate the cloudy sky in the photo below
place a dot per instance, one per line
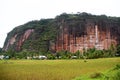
(16, 12)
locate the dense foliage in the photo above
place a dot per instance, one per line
(113, 74)
(87, 54)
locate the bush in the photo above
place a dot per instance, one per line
(93, 53)
(117, 67)
(117, 72)
(50, 55)
(114, 74)
(64, 54)
(118, 51)
(96, 75)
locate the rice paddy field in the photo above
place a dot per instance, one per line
(54, 69)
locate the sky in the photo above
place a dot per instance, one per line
(17, 12)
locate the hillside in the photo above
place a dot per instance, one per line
(69, 32)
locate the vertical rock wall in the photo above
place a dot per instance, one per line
(92, 36)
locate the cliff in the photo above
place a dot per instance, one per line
(69, 32)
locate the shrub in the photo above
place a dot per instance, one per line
(96, 75)
(116, 75)
(117, 67)
(51, 56)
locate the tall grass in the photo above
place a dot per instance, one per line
(113, 74)
(53, 69)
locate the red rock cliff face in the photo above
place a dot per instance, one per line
(18, 40)
(93, 36)
(23, 38)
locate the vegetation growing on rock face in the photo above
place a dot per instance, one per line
(46, 31)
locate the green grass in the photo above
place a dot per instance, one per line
(54, 69)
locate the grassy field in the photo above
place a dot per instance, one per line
(53, 69)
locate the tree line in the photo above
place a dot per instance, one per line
(92, 53)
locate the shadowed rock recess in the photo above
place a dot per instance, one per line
(69, 32)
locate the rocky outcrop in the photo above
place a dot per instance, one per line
(69, 32)
(11, 41)
(18, 40)
(22, 38)
(93, 36)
